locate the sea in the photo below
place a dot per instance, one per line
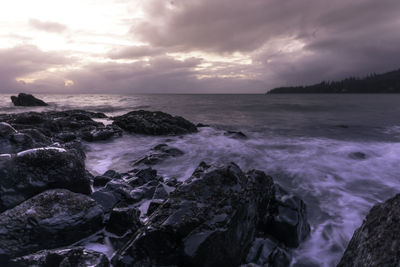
(339, 153)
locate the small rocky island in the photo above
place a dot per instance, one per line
(27, 100)
(52, 207)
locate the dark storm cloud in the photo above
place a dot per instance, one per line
(48, 26)
(340, 38)
(24, 60)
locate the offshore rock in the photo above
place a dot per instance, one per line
(33, 171)
(65, 257)
(27, 100)
(210, 220)
(52, 219)
(154, 123)
(377, 241)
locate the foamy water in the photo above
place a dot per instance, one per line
(304, 142)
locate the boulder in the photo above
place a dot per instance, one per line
(33, 171)
(65, 257)
(123, 219)
(377, 241)
(158, 154)
(154, 123)
(52, 219)
(210, 220)
(27, 100)
(286, 218)
(265, 252)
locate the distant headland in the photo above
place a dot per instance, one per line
(385, 83)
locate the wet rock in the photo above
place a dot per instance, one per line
(234, 134)
(65, 257)
(158, 154)
(377, 241)
(209, 220)
(13, 141)
(161, 192)
(33, 171)
(112, 174)
(64, 126)
(265, 252)
(106, 199)
(286, 219)
(154, 123)
(123, 219)
(201, 125)
(358, 155)
(143, 176)
(100, 181)
(154, 204)
(100, 133)
(27, 100)
(52, 219)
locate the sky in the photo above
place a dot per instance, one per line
(192, 46)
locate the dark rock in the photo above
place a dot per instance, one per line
(265, 252)
(100, 181)
(63, 257)
(100, 133)
(154, 123)
(200, 125)
(234, 134)
(358, 155)
(112, 174)
(377, 241)
(13, 141)
(27, 100)
(210, 220)
(49, 220)
(106, 199)
(162, 191)
(286, 219)
(143, 176)
(154, 204)
(123, 219)
(33, 171)
(64, 126)
(158, 154)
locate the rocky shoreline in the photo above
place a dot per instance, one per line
(52, 207)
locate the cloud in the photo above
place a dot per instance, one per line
(24, 60)
(134, 52)
(47, 26)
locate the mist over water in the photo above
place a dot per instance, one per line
(306, 142)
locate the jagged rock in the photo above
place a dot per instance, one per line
(27, 100)
(63, 257)
(234, 134)
(286, 219)
(13, 141)
(377, 241)
(101, 180)
(64, 126)
(154, 123)
(265, 252)
(52, 219)
(161, 192)
(158, 154)
(154, 204)
(143, 176)
(36, 170)
(210, 220)
(123, 219)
